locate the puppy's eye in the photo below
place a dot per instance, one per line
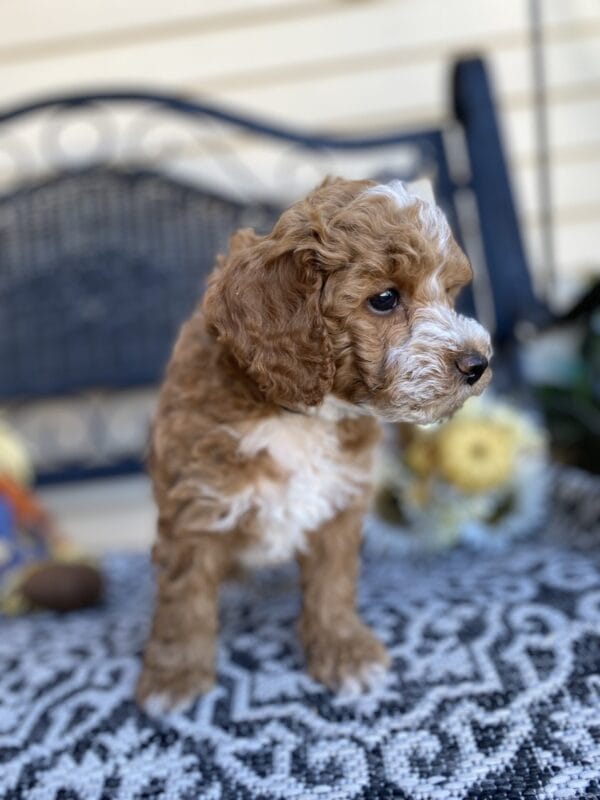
(384, 302)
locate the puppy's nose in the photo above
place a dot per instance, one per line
(472, 366)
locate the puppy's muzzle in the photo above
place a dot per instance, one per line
(472, 366)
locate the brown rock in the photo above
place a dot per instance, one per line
(63, 586)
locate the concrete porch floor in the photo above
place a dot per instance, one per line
(104, 515)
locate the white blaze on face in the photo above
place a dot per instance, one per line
(420, 193)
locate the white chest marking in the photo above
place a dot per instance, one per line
(318, 480)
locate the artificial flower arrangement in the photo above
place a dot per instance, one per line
(480, 477)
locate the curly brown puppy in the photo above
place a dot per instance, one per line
(268, 416)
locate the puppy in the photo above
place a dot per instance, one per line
(262, 443)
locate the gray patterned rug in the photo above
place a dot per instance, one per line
(494, 691)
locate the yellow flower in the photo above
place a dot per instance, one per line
(475, 456)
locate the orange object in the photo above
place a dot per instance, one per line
(27, 509)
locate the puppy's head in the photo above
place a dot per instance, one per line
(352, 294)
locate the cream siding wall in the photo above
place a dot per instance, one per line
(341, 65)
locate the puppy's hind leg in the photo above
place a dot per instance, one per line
(179, 657)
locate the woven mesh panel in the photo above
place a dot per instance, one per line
(97, 271)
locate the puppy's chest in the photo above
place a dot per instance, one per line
(317, 478)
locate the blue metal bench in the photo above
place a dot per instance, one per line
(101, 258)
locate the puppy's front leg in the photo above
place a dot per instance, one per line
(180, 651)
(341, 651)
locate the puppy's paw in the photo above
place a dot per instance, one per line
(160, 691)
(351, 660)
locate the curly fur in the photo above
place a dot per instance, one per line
(262, 442)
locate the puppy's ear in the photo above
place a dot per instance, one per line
(263, 303)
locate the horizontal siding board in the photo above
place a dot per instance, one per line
(570, 55)
(574, 186)
(39, 22)
(568, 63)
(564, 10)
(576, 248)
(355, 30)
(570, 125)
(411, 90)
